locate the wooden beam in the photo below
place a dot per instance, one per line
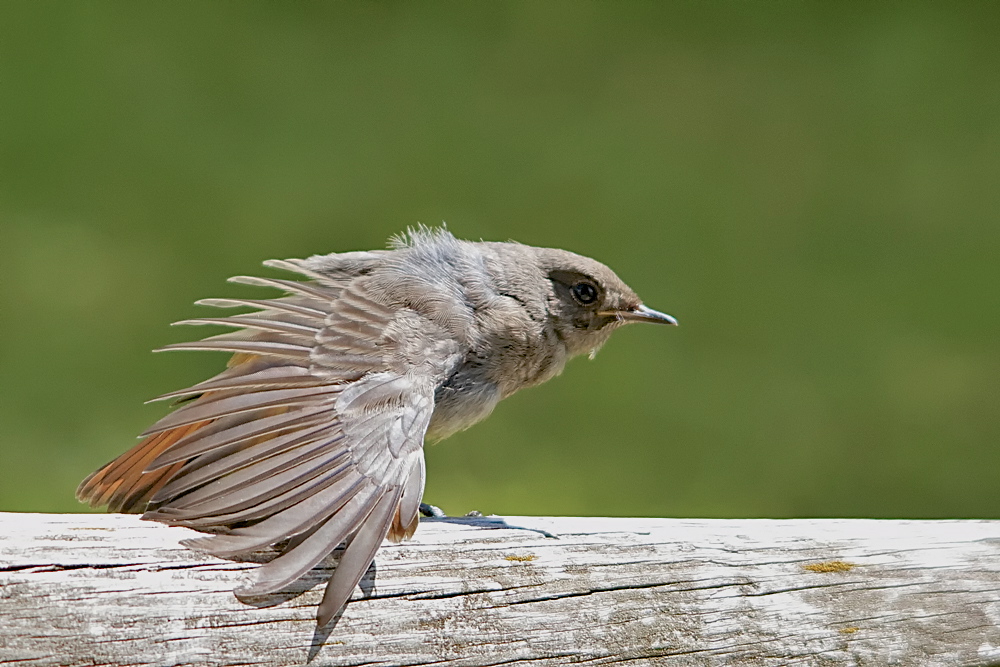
(110, 589)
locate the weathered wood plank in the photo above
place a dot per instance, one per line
(110, 589)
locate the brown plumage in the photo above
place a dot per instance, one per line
(313, 435)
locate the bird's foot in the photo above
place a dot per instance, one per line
(429, 510)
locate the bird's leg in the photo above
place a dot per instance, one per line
(489, 522)
(433, 511)
(429, 510)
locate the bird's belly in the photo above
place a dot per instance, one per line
(457, 406)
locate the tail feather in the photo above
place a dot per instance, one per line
(124, 484)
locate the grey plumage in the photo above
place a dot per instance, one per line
(313, 436)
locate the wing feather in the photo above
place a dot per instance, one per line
(265, 509)
(407, 517)
(199, 471)
(257, 482)
(314, 308)
(228, 432)
(309, 290)
(288, 567)
(357, 557)
(313, 435)
(291, 520)
(272, 377)
(299, 266)
(214, 406)
(292, 329)
(284, 350)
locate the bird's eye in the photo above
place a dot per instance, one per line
(585, 293)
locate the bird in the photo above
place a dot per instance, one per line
(313, 435)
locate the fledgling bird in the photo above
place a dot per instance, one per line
(313, 435)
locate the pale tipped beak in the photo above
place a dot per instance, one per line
(644, 314)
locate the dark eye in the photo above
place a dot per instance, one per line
(585, 293)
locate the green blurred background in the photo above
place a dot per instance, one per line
(811, 188)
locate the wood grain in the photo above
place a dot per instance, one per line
(111, 589)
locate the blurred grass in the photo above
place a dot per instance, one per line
(810, 188)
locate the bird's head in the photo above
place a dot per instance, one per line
(587, 301)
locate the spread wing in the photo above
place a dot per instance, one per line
(312, 437)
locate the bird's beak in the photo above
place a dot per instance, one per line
(642, 314)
